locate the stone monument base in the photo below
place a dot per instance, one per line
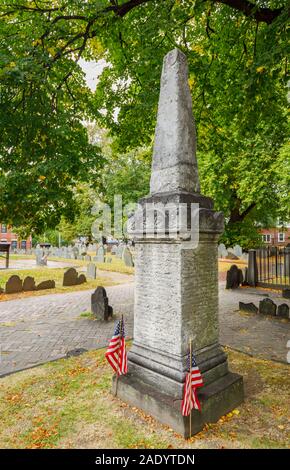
(217, 399)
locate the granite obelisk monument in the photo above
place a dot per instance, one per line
(176, 292)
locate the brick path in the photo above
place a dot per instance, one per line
(39, 329)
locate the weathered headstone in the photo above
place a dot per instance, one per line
(50, 284)
(231, 255)
(267, 307)
(283, 311)
(238, 251)
(91, 271)
(29, 284)
(127, 258)
(286, 293)
(101, 254)
(248, 307)
(176, 289)
(70, 277)
(222, 251)
(234, 277)
(13, 285)
(100, 304)
(81, 279)
(88, 258)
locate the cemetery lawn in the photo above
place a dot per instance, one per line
(67, 404)
(42, 274)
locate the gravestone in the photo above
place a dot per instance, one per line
(81, 279)
(100, 304)
(114, 249)
(108, 260)
(238, 251)
(176, 288)
(70, 277)
(88, 258)
(41, 258)
(119, 251)
(101, 254)
(283, 311)
(13, 285)
(234, 277)
(46, 285)
(91, 271)
(231, 255)
(127, 257)
(267, 307)
(222, 251)
(29, 284)
(248, 307)
(286, 293)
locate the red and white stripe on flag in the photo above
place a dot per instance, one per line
(190, 400)
(117, 355)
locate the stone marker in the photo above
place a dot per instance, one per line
(234, 277)
(101, 254)
(231, 255)
(100, 304)
(81, 279)
(29, 283)
(46, 285)
(13, 285)
(248, 307)
(91, 271)
(267, 307)
(176, 289)
(88, 258)
(127, 257)
(238, 251)
(252, 268)
(283, 311)
(70, 277)
(286, 293)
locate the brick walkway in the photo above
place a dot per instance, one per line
(39, 329)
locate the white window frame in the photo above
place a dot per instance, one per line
(283, 237)
(266, 237)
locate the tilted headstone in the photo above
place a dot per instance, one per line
(127, 258)
(283, 311)
(13, 285)
(248, 307)
(100, 304)
(176, 288)
(70, 277)
(50, 284)
(91, 271)
(267, 307)
(29, 284)
(234, 277)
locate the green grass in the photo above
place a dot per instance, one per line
(43, 273)
(68, 404)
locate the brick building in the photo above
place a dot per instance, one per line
(7, 235)
(276, 236)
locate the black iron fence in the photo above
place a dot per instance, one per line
(270, 267)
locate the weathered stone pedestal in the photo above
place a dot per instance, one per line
(176, 293)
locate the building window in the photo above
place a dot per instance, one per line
(267, 238)
(14, 244)
(23, 244)
(281, 237)
(3, 228)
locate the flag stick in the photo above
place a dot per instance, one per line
(117, 375)
(190, 366)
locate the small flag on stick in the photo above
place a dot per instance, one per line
(192, 381)
(116, 353)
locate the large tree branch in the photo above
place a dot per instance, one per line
(245, 6)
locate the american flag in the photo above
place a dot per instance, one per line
(192, 381)
(116, 353)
